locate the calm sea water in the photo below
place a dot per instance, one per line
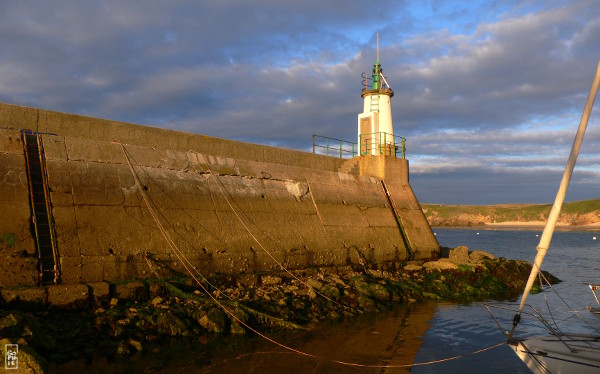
(417, 333)
(573, 257)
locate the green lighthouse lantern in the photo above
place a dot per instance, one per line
(376, 75)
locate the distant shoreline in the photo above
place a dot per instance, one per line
(581, 216)
(522, 226)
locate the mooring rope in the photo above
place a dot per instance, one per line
(569, 307)
(179, 255)
(374, 366)
(267, 251)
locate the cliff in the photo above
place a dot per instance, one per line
(576, 215)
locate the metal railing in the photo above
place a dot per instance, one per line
(334, 147)
(382, 143)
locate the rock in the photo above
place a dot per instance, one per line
(132, 291)
(237, 329)
(135, 344)
(311, 293)
(440, 265)
(158, 289)
(157, 300)
(331, 291)
(30, 294)
(269, 280)
(214, 321)
(365, 303)
(113, 302)
(430, 295)
(248, 280)
(314, 283)
(478, 256)
(69, 296)
(123, 348)
(336, 279)
(459, 255)
(379, 292)
(288, 289)
(99, 292)
(411, 267)
(171, 325)
(9, 325)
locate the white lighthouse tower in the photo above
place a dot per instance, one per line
(375, 127)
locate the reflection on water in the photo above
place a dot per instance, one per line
(387, 339)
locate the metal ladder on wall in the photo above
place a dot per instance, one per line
(43, 222)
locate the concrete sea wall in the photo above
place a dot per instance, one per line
(223, 205)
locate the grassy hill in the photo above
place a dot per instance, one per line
(578, 213)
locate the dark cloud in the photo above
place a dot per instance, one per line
(485, 91)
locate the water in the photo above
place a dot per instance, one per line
(457, 329)
(417, 333)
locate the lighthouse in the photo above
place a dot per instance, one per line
(375, 127)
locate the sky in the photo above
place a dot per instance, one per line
(488, 94)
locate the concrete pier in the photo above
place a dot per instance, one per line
(227, 206)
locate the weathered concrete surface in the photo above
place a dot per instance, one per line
(69, 295)
(226, 206)
(17, 246)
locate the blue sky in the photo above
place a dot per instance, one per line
(488, 94)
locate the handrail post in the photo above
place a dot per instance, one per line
(403, 148)
(327, 143)
(313, 143)
(360, 144)
(385, 144)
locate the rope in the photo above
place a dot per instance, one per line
(542, 279)
(423, 363)
(432, 362)
(150, 266)
(575, 313)
(539, 364)
(179, 255)
(265, 250)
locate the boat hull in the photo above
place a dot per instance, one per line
(549, 354)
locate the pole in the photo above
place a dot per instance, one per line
(377, 47)
(560, 195)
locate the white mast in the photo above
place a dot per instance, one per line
(560, 195)
(377, 46)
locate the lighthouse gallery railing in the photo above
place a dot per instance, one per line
(334, 147)
(380, 142)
